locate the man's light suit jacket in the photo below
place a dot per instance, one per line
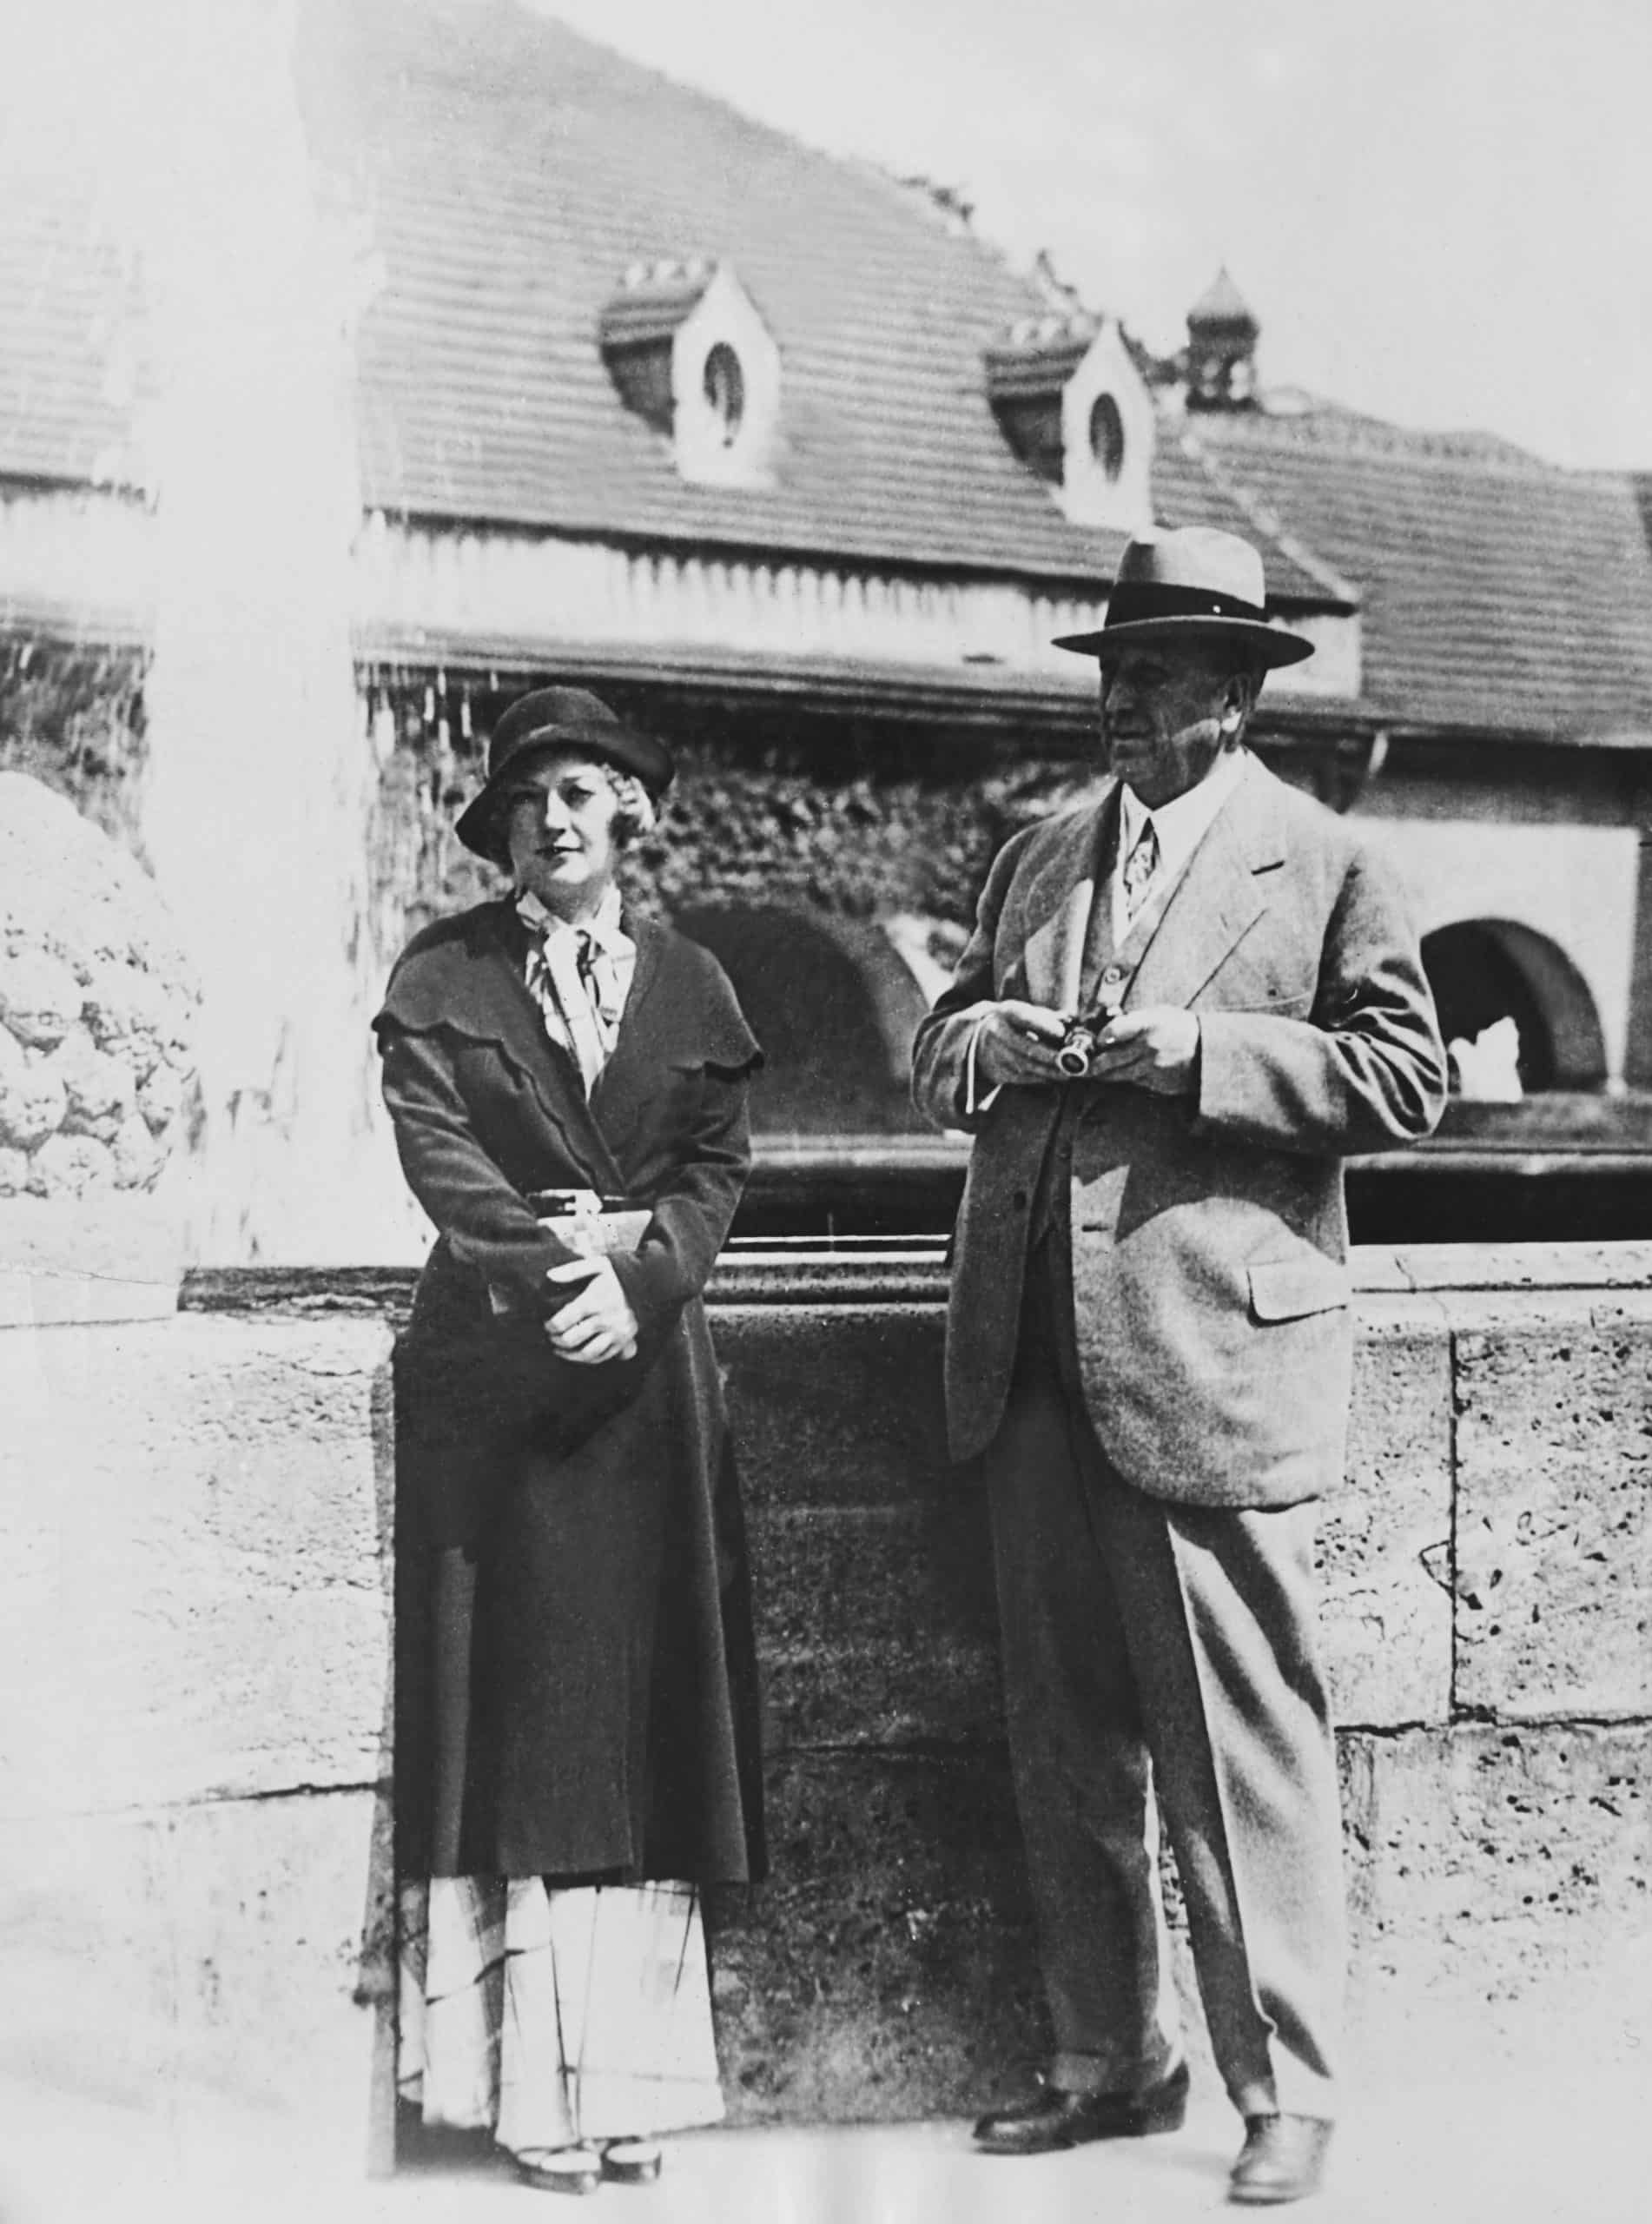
(1210, 1280)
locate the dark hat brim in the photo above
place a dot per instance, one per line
(1264, 646)
(476, 825)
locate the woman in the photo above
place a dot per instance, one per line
(564, 1455)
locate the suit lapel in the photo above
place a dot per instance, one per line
(1217, 901)
(1058, 906)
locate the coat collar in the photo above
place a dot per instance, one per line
(498, 1004)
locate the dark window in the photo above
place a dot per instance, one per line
(725, 389)
(1106, 436)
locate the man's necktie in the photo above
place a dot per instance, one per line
(1139, 869)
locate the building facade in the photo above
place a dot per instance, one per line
(558, 371)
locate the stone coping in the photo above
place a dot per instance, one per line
(868, 1270)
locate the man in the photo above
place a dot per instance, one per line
(1149, 1340)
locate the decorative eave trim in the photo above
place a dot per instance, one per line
(420, 592)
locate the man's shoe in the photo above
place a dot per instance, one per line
(1057, 2120)
(1283, 2159)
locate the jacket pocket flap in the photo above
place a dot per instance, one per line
(1286, 1290)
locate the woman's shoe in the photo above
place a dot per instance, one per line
(631, 2161)
(560, 2169)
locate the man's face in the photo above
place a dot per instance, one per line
(1167, 714)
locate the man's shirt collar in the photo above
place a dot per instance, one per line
(1180, 824)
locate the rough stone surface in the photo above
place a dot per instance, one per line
(1497, 1850)
(32, 1103)
(836, 1405)
(1385, 1537)
(1554, 1548)
(877, 1626)
(193, 1610)
(72, 1166)
(192, 1591)
(887, 1969)
(101, 1090)
(115, 1255)
(95, 998)
(840, 1407)
(177, 1960)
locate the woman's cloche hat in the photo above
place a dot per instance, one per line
(1196, 584)
(556, 717)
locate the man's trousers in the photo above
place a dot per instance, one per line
(1162, 1657)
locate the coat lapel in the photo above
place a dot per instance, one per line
(1217, 901)
(1058, 906)
(498, 1003)
(615, 1102)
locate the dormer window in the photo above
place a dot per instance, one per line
(688, 352)
(1073, 406)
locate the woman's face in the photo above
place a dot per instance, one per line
(559, 833)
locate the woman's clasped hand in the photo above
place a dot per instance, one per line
(596, 1323)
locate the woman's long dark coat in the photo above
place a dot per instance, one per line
(594, 1706)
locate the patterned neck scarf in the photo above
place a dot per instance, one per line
(580, 976)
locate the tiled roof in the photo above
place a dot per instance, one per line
(1496, 591)
(516, 170)
(67, 329)
(511, 171)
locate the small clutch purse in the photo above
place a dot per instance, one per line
(594, 1226)
(591, 1227)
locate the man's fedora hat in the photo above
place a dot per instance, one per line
(1194, 584)
(556, 717)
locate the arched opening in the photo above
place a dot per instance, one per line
(835, 1008)
(1494, 974)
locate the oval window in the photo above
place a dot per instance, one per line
(725, 390)
(1106, 436)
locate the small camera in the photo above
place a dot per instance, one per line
(1078, 1048)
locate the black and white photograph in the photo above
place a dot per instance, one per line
(825, 1111)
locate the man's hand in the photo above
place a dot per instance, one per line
(597, 1325)
(1017, 1042)
(1155, 1048)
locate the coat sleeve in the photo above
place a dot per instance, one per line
(695, 1207)
(487, 1224)
(1366, 1070)
(941, 1048)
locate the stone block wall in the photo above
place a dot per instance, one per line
(1486, 1588)
(194, 1656)
(196, 1639)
